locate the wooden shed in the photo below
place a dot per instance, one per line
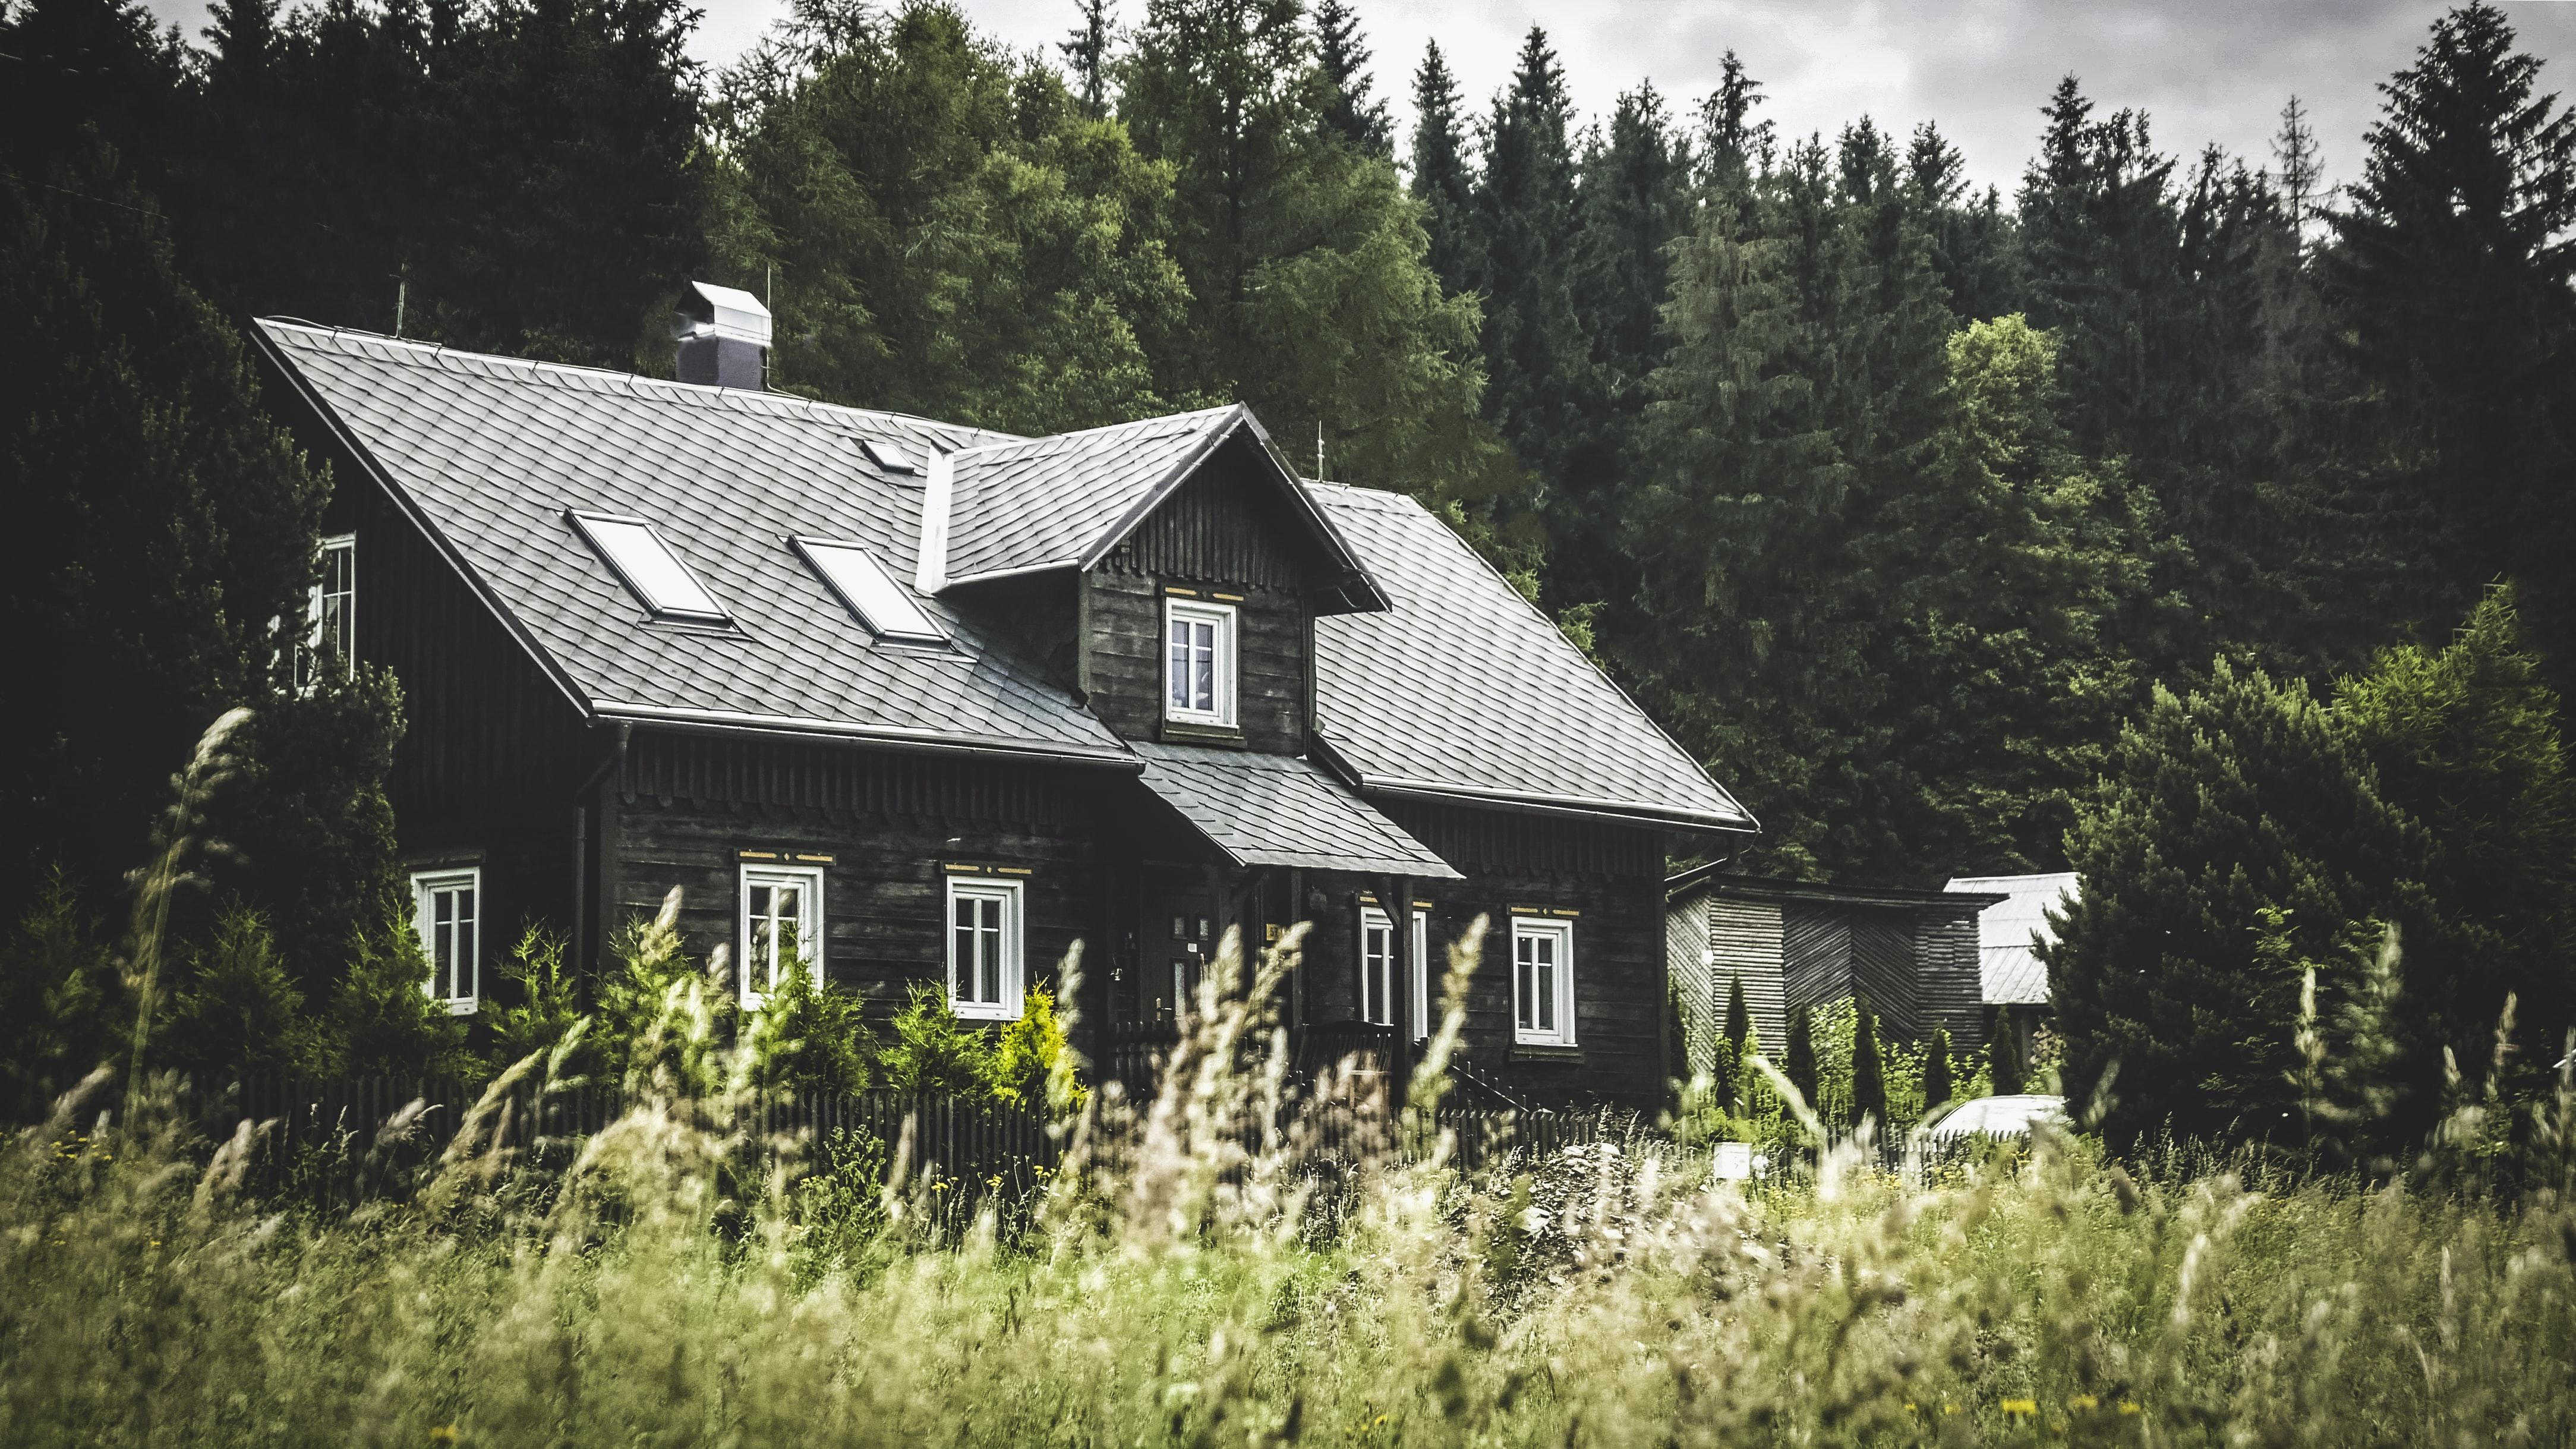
(1796, 945)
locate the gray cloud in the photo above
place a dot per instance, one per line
(2205, 70)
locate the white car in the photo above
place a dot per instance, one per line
(1998, 1117)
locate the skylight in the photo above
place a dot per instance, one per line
(892, 457)
(647, 566)
(861, 581)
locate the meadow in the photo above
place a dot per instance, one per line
(1201, 1272)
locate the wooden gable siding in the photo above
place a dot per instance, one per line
(1610, 876)
(1882, 970)
(1220, 533)
(891, 826)
(1952, 995)
(1745, 939)
(493, 753)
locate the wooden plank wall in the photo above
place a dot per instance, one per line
(1219, 533)
(1882, 969)
(1745, 938)
(1815, 955)
(1952, 994)
(891, 824)
(1610, 875)
(492, 752)
(1686, 965)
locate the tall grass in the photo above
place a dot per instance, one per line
(1202, 1274)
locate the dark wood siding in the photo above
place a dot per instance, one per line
(1951, 995)
(1744, 939)
(1882, 969)
(493, 753)
(1226, 536)
(1815, 954)
(891, 825)
(1611, 876)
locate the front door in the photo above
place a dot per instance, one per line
(1180, 939)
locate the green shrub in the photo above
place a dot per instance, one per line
(933, 1051)
(239, 1011)
(811, 1036)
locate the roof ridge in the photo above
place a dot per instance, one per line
(1033, 440)
(638, 384)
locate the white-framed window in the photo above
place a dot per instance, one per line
(1378, 974)
(1542, 982)
(874, 598)
(645, 564)
(1198, 662)
(331, 610)
(984, 948)
(447, 911)
(782, 920)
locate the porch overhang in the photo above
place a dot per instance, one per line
(1278, 810)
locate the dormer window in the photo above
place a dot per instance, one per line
(648, 568)
(1198, 653)
(875, 598)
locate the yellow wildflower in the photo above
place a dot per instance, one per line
(2084, 1401)
(2021, 1408)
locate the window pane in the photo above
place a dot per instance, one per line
(990, 954)
(650, 568)
(1180, 670)
(863, 584)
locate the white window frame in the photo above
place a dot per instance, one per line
(317, 608)
(1376, 922)
(1222, 667)
(1012, 974)
(426, 887)
(686, 610)
(852, 573)
(809, 926)
(1525, 1027)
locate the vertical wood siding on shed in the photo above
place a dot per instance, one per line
(1952, 994)
(1815, 955)
(1746, 939)
(1686, 965)
(1882, 970)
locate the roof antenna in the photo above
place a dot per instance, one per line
(1319, 450)
(402, 293)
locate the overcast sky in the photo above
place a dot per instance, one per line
(2206, 70)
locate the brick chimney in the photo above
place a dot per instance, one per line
(724, 337)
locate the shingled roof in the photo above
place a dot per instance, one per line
(1456, 688)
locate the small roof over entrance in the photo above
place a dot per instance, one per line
(1278, 810)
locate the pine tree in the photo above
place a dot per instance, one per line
(1938, 1084)
(2003, 1057)
(1739, 1020)
(1441, 178)
(239, 1011)
(2300, 167)
(1868, 1071)
(2452, 274)
(1086, 50)
(1734, 147)
(1350, 112)
(1538, 375)
(1799, 1063)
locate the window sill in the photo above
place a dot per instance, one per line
(1184, 732)
(1531, 1051)
(463, 1008)
(982, 1013)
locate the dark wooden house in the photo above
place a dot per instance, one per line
(1796, 945)
(932, 704)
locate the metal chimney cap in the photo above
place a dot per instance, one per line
(709, 310)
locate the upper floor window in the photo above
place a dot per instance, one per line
(1198, 662)
(331, 609)
(984, 948)
(1543, 982)
(447, 911)
(876, 599)
(646, 565)
(1378, 975)
(782, 923)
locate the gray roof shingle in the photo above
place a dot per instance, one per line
(495, 450)
(1278, 810)
(1459, 689)
(1463, 688)
(2010, 931)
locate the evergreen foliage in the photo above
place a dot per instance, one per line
(1938, 1085)
(238, 1010)
(813, 1036)
(382, 1020)
(1739, 1019)
(1441, 177)
(930, 1050)
(2003, 1057)
(1868, 1071)
(543, 1010)
(1799, 1062)
(64, 1007)
(1350, 111)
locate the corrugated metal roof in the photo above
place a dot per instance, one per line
(1279, 810)
(2009, 931)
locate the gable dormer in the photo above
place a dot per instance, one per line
(1198, 567)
